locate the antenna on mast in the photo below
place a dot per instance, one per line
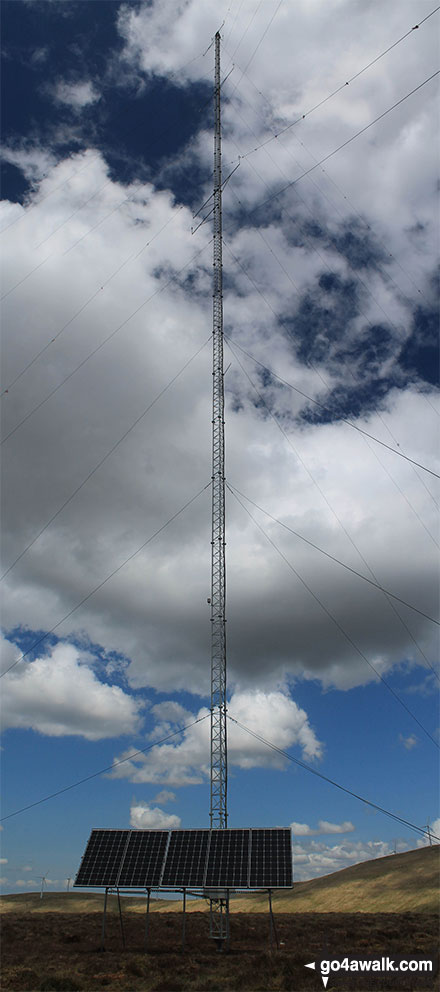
(219, 772)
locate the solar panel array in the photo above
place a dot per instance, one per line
(230, 858)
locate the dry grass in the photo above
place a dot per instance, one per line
(53, 944)
(59, 952)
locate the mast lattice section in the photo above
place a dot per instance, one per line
(218, 808)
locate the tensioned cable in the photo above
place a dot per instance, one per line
(107, 579)
(343, 145)
(341, 192)
(110, 181)
(339, 88)
(85, 202)
(234, 21)
(331, 508)
(248, 26)
(368, 321)
(335, 621)
(318, 373)
(308, 768)
(327, 410)
(363, 284)
(103, 285)
(107, 455)
(327, 554)
(91, 354)
(76, 172)
(102, 771)
(243, 71)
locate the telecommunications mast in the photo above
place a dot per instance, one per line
(219, 771)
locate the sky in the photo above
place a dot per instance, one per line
(330, 230)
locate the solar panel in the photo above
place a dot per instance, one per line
(103, 857)
(144, 856)
(186, 859)
(228, 862)
(223, 859)
(271, 859)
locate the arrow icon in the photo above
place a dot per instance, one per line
(324, 977)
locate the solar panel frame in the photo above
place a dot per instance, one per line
(102, 859)
(271, 858)
(186, 858)
(143, 859)
(230, 858)
(228, 861)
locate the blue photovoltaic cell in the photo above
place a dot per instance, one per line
(228, 861)
(143, 859)
(271, 859)
(102, 858)
(186, 858)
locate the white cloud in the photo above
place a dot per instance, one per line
(324, 827)
(300, 829)
(317, 858)
(60, 694)
(273, 715)
(335, 828)
(165, 796)
(117, 250)
(77, 94)
(409, 742)
(3, 861)
(147, 817)
(33, 160)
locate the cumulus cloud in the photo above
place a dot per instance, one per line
(32, 160)
(60, 694)
(3, 861)
(273, 715)
(164, 796)
(75, 94)
(318, 858)
(409, 742)
(147, 817)
(314, 292)
(324, 827)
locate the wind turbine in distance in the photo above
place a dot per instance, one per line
(43, 880)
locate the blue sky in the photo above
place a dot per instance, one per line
(331, 317)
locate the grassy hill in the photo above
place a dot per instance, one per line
(398, 883)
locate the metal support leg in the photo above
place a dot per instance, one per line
(103, 920)
(184, 920)
(120, 919)
(271, 918)
(147, 919)
(273, 929)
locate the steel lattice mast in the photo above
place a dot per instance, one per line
(218, 810)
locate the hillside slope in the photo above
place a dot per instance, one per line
(398, 883)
